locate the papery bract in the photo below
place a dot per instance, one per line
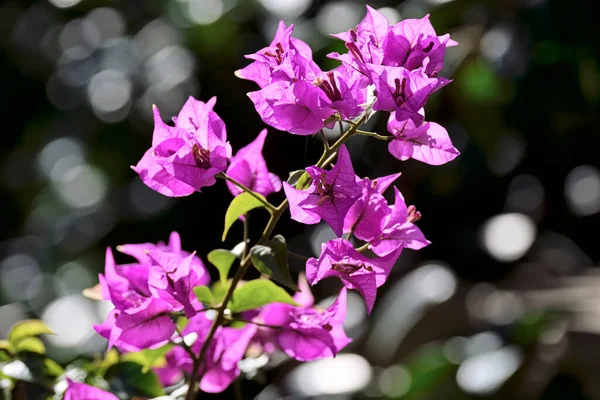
(172, 278)
(411, 41)
(285, 59)
(307, 333)
(428, 142)
(188, 155)
(403, 91)
(366, 217)
(220, 366)
(329, 196)
(150, 327)
(399, 231)
(248, 167)
(339, 258)
(82, 391)
(299, 108)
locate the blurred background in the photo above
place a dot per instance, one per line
(505, 302)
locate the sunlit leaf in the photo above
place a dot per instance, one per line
(149, 358)
(222, 260)
(239, 206)
(257, 293)
(204, 294)
(32, 344)
(27, 328)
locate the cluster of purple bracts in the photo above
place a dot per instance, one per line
(388, 68)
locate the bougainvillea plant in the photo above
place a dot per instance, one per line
(170, 326)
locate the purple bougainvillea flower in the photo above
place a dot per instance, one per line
(221, 361)
(329, 196)
(403, 91)
(364, 43)
(346, 89)
(411, 41)
(186, 157)
(299, 108)
(150, 327)
(285, 59)
(399, 230)
(428, 142)
(366, 217)
(172, 279)
(126, 286)
(307, 333)
(81, 391)
(339, 258)
(248, 167)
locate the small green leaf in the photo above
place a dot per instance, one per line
(128, 377)
(239, 206)
(272, 261)
(27, 328)
(31, 344)
(219, 290)
(149, 358)
(53, 368)
(222, 260)
(257, 293)
(295, 176)
(204, 294)
(5, 345)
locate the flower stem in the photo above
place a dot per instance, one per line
(375, 135)
(363, 247)
(258, 324)
(246, 189)
(298, 256)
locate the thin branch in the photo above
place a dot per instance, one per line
(375, 135)
(325, 142)
(185, 346)
(298, 256)
(258, 324)
(246, 189)
(363, 247)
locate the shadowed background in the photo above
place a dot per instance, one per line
(504, 304)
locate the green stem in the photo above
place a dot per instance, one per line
(298, 256)
(258, 324)
(325, 142)
(363, 247)
(375, 135)
(246, 189)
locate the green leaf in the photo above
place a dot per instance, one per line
(295, 176)
(219, 290)
(239, 206)
(5, 345)
(31, 344)
(257, 293)
(222, 260)
(28, 328)
(204, 294)
(53, 368)
(128, 376)
(272, 261)
(149, 358)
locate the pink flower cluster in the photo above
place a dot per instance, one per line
(152, 292)
(387, 68)
(398, 64)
